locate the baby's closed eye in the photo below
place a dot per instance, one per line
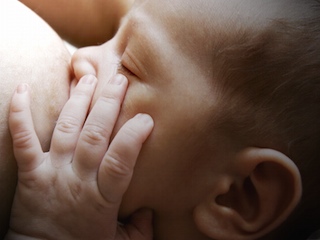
(124, 70)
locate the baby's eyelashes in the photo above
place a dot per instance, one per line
(123, 69)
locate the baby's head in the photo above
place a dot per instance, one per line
(232, 88)
(269, 80)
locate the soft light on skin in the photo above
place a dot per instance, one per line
(169, 84)
(30, 52)
(166, 50)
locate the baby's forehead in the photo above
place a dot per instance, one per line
(199, 28)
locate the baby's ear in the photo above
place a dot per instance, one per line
(253, 197)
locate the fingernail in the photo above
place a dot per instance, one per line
(147, 119)
(88, 79)
(22, 88)
(117, 79)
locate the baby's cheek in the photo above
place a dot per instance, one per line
(140, 98)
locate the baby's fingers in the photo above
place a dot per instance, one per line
(26, 145)
(116, 169)
(71, 120)
(95, 135)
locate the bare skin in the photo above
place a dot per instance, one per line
(82, 22)
(188, 172)
(73, 165)
(30, 52)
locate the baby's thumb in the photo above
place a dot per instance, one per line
(140, 226)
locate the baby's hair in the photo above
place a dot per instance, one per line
(269, 85)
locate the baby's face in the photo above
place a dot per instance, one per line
(167, 81)
(167, 49)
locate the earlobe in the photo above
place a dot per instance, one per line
(254, 198)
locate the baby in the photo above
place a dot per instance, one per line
(232, 87)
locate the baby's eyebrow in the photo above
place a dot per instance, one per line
(145, 41)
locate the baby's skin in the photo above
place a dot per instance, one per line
(74, 191)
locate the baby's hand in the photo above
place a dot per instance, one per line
(74, 190)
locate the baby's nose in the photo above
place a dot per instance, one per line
(83, 62)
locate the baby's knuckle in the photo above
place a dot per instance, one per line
(118, 169)
(110, 99)
(132, 134)
(76, 191)
(94, 134)
(67, 125)
(23, 139)
(81, 94)
(17, 108)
